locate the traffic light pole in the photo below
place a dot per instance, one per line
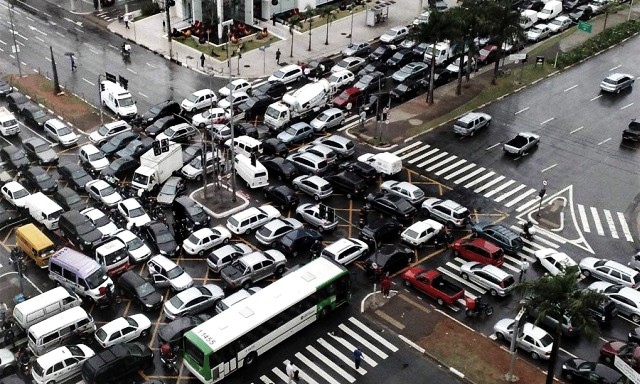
(168, 4)
(228, 23)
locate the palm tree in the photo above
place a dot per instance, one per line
(328, 13)
(459, 32)
(307, 15)
(559, 296)
(294, 21)
(503, 22)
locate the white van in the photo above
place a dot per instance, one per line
(43, 306)
(60, 364)
(550, 11)
(57, 330)
(79, 273)
(245, 145)
(385, 163)
(118, 99)
(256, 176)
(44, 210)
(528, 18)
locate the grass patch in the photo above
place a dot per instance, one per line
(248, 44)
(321, 21)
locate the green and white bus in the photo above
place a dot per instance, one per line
(238, 335)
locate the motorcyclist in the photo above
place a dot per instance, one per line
(126, 48)
(167, 354)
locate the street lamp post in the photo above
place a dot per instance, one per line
(100, 98)
(203, 144)
(310, 24)
(15, 43)
(351, 33)
(233, 151)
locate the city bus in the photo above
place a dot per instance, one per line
(236, 337)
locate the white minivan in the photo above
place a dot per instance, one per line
(60, 364)
(256, 176)
(245, 145)
(57, 330)
(44, 306)
(287, 74)
(44, 210)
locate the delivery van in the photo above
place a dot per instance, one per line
(57, 330)
(44, 210)
(253, 173)
(44, 306)
(35, 244)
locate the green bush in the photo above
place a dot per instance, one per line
(601, 41)
(150, 8)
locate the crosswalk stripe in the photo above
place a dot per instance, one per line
(406, 155)
(263, 378)
(459, 171)
(416, 159)
(473, 286)
(552, 236)
(303, 375)
(528, 204)
(459, 279)
(470, 175)
(500, 188)
(489, 184)
(479, 179)
(583, 218)
(612, 225)
(624, 227)
(363, 341)
(283, 376)
(520, 197)
(431, 160)
(408, 147)
(511, 192)
(530, 259)
(340, 355)
(452, 166)
(330, 364)
(352, 347)
(316, 369)
(596, 221)
(373, 334)
(511, 267)
(513, 260)
(443, 162)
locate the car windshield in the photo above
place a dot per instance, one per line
(323, 117)
(37, 369)
(343, 64)
(103, 131)
(233, 222)
(96, 156)
(278, 74)
(107, 191)
(96, 279)
(196, 162)
(131, 321)
(41, 147)
(101, 334)
(136, 212)
(164, 237)
(71, 199)
(554, 22)
(610, 81)
(169, 189)
(135, 243)
(145, 290)
(42, 177)
(175, 272)
(193, 98)
(126, 102)
(410, 233)
(402, 88)
(64, 131)
(535, 30)
(20, 193)
(546, 340)
(169, 132)
(176, 302)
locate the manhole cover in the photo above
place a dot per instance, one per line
(415, 121)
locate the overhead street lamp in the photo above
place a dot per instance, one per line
(228, 23)
(203, 156)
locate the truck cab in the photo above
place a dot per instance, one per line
(118, 99)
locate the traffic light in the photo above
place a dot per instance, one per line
(171, 3)
(164, 145)
(322, 210)
(274, 3)
(156, 148)
(124, 82)
(542, 192)
(110, 77)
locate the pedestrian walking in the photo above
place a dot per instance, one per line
(202, 60)
(386, 285)
(363, 119)
(524, 265)
(290, 369)
(278, 56)
(73, 64)
(9, 338)
(357, 357)
(296, 376)
(126, 22)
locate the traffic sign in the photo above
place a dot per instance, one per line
(583, 26)
(626, 370)
(544, 182)
(517, 56)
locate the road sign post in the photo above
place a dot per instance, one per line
(585, 27)
(542, 192)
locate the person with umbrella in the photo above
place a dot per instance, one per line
(73, 60)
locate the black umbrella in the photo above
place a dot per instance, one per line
(69, 54)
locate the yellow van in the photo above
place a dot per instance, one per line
(35, 244)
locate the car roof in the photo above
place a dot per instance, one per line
(618, 76)
(131, 203)
(253, 257)
(14, 186)
(201, 92)
(340, 245)
(56, 123)
(163, 261)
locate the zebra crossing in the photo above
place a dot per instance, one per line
(501, 189)
(330, 359)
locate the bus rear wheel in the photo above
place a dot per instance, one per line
(250, 359)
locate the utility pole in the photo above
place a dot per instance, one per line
(228, 23)
(16, 49)
(56, 82)
(167, 5)
(100, 98)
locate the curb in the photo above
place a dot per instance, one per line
(225, 213)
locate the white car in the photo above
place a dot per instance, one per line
(102, 222)
(166, 273)
(345, 251)
(423, 18)
(198, 100)
(420, 232)
(133, 213)
(413, 193)
(103, 192)
(204, 239)
(252, 218)
(627, 299)
(237, 85)
(60, 132)
(559, 24)
(136, 248)
(92, 157)
(534, 340)
(209, 117)
(238, 98)
(123, 330)
(108, 130)
(15, 193)
(538, 32)
(394, 35)
(275, 229)
(60, 364)
(610, 271)
(616, 82)
(553, 261)
(352, 64)
(192, 301)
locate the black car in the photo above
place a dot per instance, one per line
(534, 5)
(7, 215)
(140, 291)
(389, 258)
(393, 205)
(440, 75)
(275, 147)
(161, 124)
(382, 230)
(39, 179)
(362, 169)
(581, 13)
(245, 129)
(160, 238)
(40, 150)
(5, 88)
(14, 156)
(282, 196)
(174, 331)
(348, 182)
(568, 5)
(582, 371)
(118, 142)
(165, 108)
(136, 148)
(634, 335)
(75, 176)
(79, 230)
(375, 102)
(187, 209)
(318, 68)
(405, 90)
(69, 199)
(114, 364)
(119, 168)
(502, 236)
(191, 152)
(279, 167)
(275, 89)
(420, 49)
(375, 66)
(604, 312)
(172, 188)
(300, 241)
(371, 81)
(382, 53)
(254, 107)
(33, 115)
(16, 100)
(400, 58)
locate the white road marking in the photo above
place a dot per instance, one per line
(94, 51)
(278, 372)
(470, 175)
(2, 42)
(350, 347)
(363, 342)
(60, 34)
(315, 368)
(570, 88)
(576, 130)
(522, 110)
(423, 156)
(39, 39)
(479, 179)
(132, 71)
(583, 218)
(88, 81)
(78, 29)
(443, 162)
(143, 95)
(431, 160)
(548, 120)
(489, 184)
(373, 334)
(491, 147)
(528, 204)
(614, 68)
(548, 168)
(48, 59)
(595, 98)
(459, 171)
(151, 65)
(625, 227)
(596, 219)
(30, 19)
(511, 192)
(452, 166)
(626, 106)
(500, 188)
(340, 355)
(604, 141)
(330, 364)
(611, 224)
(408, 147)
(409, 154)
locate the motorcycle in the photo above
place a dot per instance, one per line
(169, 361)
(25, 363)
(477, 307)
(126, 51)
(528, 230)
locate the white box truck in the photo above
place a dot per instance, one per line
(8, 123)
(155, 170)
(295, 106)
(385, 163)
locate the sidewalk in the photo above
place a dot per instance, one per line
(148, 33)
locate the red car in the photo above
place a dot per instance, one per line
(486, 55)
(350, 96)
(629, 352)
(433, 284)
(479, 250)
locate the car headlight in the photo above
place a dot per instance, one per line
(148, 305)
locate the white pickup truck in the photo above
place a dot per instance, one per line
(520, 144)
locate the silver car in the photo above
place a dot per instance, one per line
(311, 214)
(330, 118)
(323, 152)
(534, 340)
(296, 133)
(404, 189)
(356, 49)
(617, 82)
(314, 186)
(275, 229)
(342, 146)
(192, 300)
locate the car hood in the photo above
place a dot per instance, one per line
(48, 155)
(503, 325)
(91, 236)
(47, 184)
(165, 198)
(175, 329)
(612, 348)
(572, 364)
